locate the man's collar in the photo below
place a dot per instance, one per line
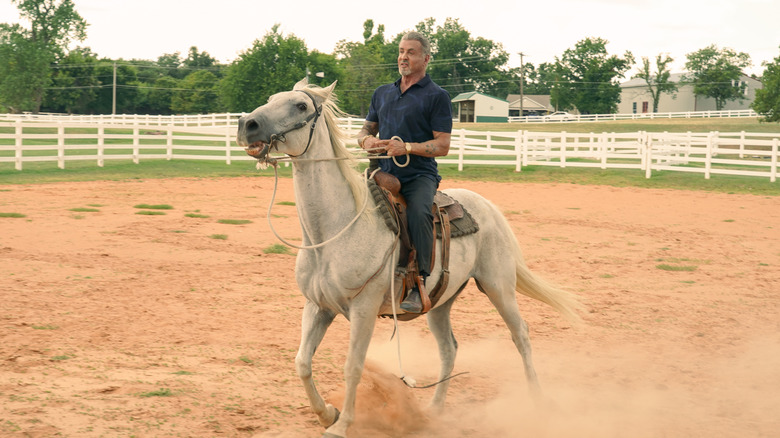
(422, 82)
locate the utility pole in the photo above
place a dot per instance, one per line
(113, 100)
(522, 79)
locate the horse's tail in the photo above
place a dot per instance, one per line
(532, 286)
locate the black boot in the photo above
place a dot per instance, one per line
(412, 303)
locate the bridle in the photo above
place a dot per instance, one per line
(313, 118)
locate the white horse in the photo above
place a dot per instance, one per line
(350, 274)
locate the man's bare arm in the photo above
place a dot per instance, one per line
(439, 146)
(367, 132)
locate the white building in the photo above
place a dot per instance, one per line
(477, 107)
(635, 97)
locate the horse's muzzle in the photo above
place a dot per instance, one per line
(257, 150)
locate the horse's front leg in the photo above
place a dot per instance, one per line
(314, 324)
(361, 327)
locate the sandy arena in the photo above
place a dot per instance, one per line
(117, 324)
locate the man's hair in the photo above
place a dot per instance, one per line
(417, 36)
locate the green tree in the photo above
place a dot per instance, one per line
(157, 96)
(715, 73)
(463, 63)
(590, 77)
(365, 67)
(74, 83)
(198, 94)
(53, 25)
(128, 87)
(199, 60)
(767, 101)
(658, 83)
(170, 65)
(273, 64)
(327, 65)
(24, 70)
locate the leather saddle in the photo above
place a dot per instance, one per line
(448, 214)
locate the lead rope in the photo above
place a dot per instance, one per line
(319, 245)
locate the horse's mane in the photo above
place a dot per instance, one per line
(348, 163)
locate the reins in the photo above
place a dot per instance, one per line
(318, 245)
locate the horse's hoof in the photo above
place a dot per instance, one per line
(335, 419)
(336, 414)
(330, 435)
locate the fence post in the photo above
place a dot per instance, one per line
(488, 139)
(708, 155)
(101, 145)
(227, 144)
(461, 147)
(519, 140)
(645, 140)
(603, 144)
(169, 143)
(773, 171)
(18, 144)
(136, 143)
(742, 144)
(60, 145)
(563, 149)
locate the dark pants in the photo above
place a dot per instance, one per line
(419, 201)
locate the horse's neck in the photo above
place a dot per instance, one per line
(322, 194)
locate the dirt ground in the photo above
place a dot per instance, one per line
(119, 324)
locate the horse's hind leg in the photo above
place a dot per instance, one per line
(503, 298)
(314, 324)
(441, 327)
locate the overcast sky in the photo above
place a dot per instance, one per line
(542, 29)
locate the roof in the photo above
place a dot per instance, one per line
(540, 99)
(471, 94)
(674, 77)
(530, 103)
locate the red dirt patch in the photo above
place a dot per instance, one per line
(119, 324)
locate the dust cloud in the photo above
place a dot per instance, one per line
(616, 393)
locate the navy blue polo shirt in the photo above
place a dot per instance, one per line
(414, 115)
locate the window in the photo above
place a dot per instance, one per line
(633, 107)
(645, 106)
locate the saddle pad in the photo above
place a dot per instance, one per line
(461, 222)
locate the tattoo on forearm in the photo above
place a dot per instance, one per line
(371, 128)
(430, 148)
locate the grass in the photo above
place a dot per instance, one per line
(219, 236)
(234, 221)
(154, 206)
(84, 210)
(277, 248)
(151, 213)
(162, 392)
(667, 267)
(13, 215)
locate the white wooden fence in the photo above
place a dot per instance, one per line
(638, 116)
(735, 153)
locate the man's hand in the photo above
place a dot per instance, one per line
(393, 147)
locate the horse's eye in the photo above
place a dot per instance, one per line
(302, 106)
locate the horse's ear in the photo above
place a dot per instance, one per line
(331, 87)
(301, 84)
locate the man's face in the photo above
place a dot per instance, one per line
(410, 58)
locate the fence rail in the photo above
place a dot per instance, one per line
(223, 119)
(638, 116)
(708, 153)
